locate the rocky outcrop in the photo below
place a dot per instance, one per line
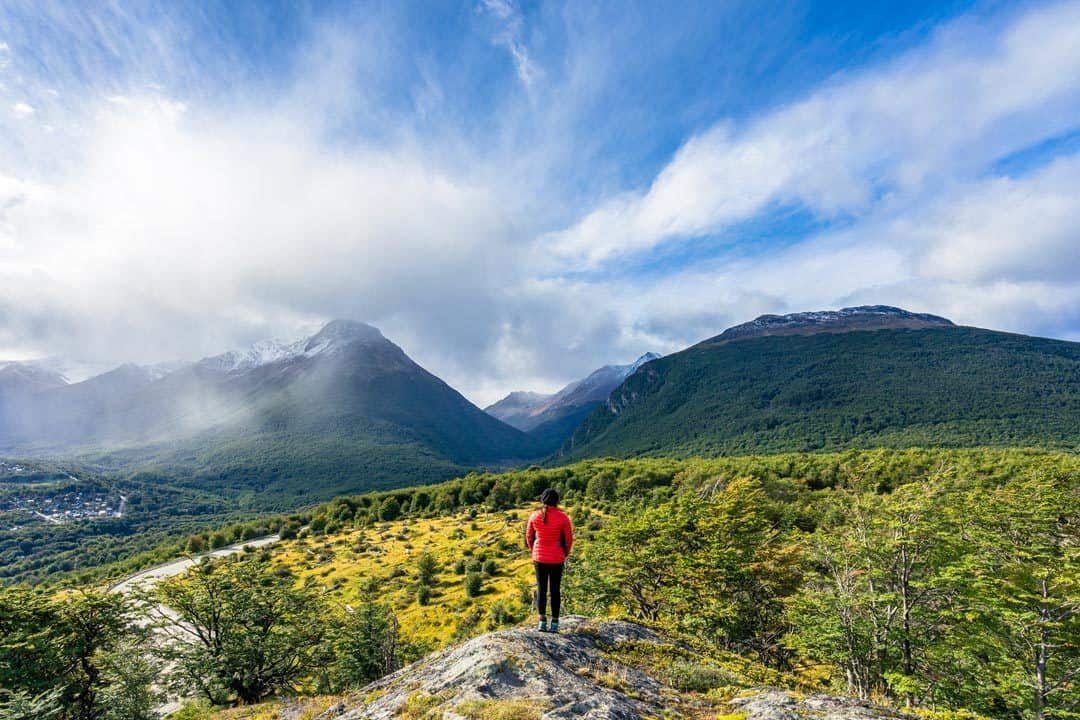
(772, 704)
(590, 670)
(852, 319)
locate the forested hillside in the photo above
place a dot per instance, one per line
(947, 386)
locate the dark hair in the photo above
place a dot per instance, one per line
(550, 498)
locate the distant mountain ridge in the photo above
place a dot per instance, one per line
(24, 378)
(528, 410)
(346, 409)
(871, 376)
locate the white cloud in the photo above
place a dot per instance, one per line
(940, 111)
(22, 110)
(152, 225)
(256, 228)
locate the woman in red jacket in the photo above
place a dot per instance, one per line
(549, 535)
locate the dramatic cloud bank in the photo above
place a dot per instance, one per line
(156, 204)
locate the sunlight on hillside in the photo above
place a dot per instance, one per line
(382, 561)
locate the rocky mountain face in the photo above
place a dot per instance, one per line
(863, 317)
(517, 408)
(595, 670)
(550, 419)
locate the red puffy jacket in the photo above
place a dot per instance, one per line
(550, 538)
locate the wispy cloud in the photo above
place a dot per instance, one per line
(510, 36)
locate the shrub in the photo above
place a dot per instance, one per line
(426, 569)
(474, 583)
(696, 677)
(390, 509)
(504, 612)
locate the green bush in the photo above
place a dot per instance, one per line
(474, 583)
(426, 569)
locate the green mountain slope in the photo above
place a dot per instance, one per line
(934, 386)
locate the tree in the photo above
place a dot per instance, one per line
(710, 565)
(731, 584)
(19, 705)
(390, 509)
(473, 584)
(238, 631)
(874, 606)
(366, 645)
(67, 652)
(1019, 621)
(628, 564)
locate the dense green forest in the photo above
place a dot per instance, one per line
(941, 387)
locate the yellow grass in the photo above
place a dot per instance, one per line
(385, 556)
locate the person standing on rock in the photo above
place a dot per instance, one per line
(549, 535)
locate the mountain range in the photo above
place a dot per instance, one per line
(551, 418)
(347, 409)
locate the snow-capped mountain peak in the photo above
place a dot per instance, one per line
(338, 333)
(647, 357)
(333, 336)
(260, 353)
(849, 319)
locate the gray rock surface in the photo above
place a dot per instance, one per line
(773, 704)
(529, 674)
(555, 672)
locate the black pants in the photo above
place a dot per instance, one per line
(548, 574)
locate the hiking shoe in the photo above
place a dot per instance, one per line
(543, 626)
(554, 626)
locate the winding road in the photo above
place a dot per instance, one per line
(145, 579)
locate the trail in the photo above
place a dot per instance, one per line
(146, 579)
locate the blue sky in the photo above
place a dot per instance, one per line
(518, 192)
